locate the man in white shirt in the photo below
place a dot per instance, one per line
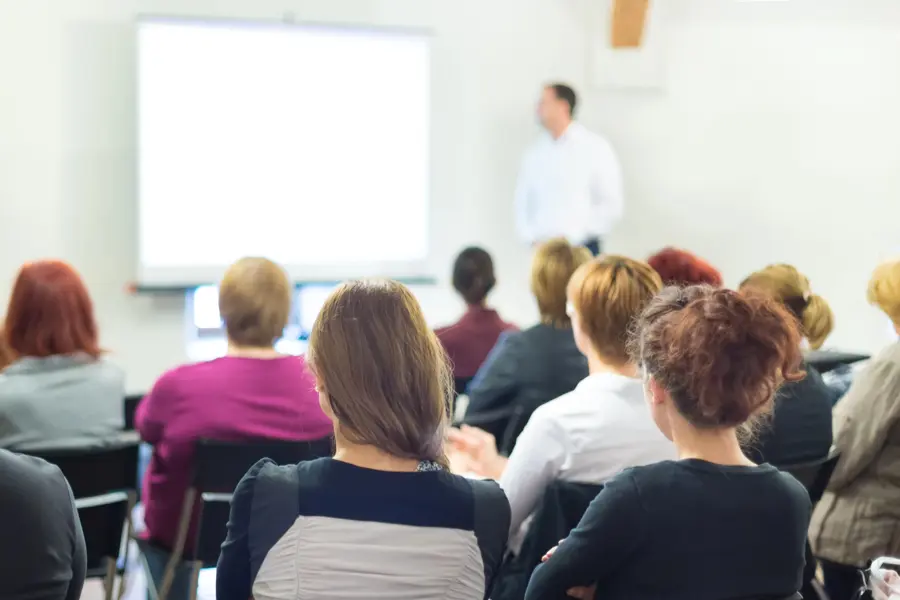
(570, 184)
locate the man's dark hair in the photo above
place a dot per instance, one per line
(566, 94)
(473, 275)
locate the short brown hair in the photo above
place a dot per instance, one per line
(609, 293)
(884, 289)
(255, 302)
(552, 267)
(720, 354)
(50, 312)
(386, 375)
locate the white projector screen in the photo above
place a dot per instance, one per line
(308, 145)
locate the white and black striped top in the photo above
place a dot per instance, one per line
(326, 529)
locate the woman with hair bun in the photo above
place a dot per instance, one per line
(800, 428)
(712, 524)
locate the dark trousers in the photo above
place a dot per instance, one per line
(594, 245)
(842, 582)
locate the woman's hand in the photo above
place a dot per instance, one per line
(480, 449)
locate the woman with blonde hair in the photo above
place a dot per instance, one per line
(799, 429)
(858, 517)
(602, 426)
(383, 518)
(528, 368)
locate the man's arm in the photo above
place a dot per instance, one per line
(607, 188)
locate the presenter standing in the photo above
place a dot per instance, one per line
(571, 181)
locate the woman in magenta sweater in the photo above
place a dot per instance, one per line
(254, 392)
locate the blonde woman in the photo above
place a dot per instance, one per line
(858, 519)
(800, 427)
(383, 519)
(528, 368)
(604, 424)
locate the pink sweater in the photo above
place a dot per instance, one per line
(228, 398)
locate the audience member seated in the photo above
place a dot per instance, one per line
(713, 524)
(254, 392)
(42, 552)
(469, 340)
(528, 368)
(681, 268)
(858, 517)
(58, 390)
(383, 519)
(800, 427)
(600, 427)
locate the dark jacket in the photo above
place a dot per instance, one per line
(799, 429)
(524, 370)
(42, 552)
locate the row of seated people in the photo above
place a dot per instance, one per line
(375, 389)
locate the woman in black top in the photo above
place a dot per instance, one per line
(712, 525)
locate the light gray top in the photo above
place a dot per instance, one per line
(64, 400)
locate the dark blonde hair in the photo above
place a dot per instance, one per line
(385, 373)
(255, 302)
(790, 287)
(609, 293)
(552, 267)
(884, 289)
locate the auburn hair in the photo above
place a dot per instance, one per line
(609, 293)
(884, 289)
(50, 312)
(553, 265)
(721, 355)
(385, 374)
(680, 267)
(255, 302)
(790, 287)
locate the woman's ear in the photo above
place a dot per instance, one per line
(658, 394)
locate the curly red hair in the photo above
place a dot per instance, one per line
(680, 267)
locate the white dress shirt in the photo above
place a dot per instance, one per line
(570, 187)
(587, 436)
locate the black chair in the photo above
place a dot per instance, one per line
(559, 511)
(828, 360)
(218, 468)
(129, 406)
(815, 475)
(104, 483)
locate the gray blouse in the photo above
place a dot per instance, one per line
(63, 400)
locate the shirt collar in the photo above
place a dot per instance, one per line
(571, 131)
(611, 382)
(33, 364)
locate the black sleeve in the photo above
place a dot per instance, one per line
(610, 531)
(79, 552)
(497, 378)
(233, 572)
(492, 516)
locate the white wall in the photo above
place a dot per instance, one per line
(775, 138)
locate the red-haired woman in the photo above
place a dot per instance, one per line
(680, 267)
(58, 391)
(712, 524)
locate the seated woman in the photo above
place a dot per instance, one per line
(42, 549)
(254, 392)
(800, 427)
(857, 518)
(57, 391)
(383, 519)
(712, 524)
(528, 368)
(469, 340)
(600, 427)
(680, 267)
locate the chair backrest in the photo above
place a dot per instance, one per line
(814, 475)
(104, 482)
(129, 407)
(219, 467)
(559, 511)
(828, 360)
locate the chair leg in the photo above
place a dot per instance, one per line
(195, 578)
(126, 544)
(187, 510)
(109, 582)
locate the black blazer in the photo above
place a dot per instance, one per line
(524, 370)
